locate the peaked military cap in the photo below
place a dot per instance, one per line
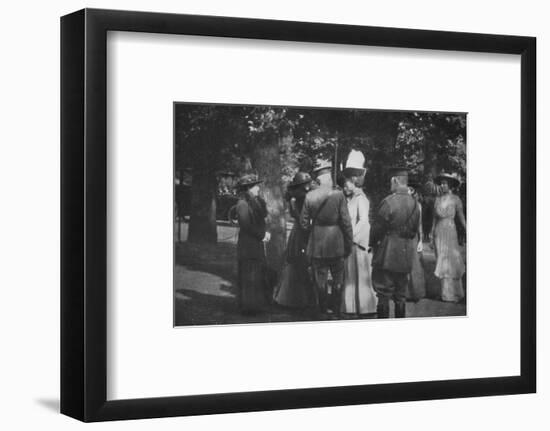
(321, 167)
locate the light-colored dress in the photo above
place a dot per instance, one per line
(358, 295)
(449, 265)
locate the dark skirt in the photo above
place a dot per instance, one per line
(252, 294)
(295, 288)
(296, 246)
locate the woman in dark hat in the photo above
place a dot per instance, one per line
(417, 282)
(358, 295)
(295, 288)
(251, 211)
(449, 262)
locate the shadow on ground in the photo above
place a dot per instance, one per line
(205, 279)
(217, 259)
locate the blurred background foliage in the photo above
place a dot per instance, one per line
(215, 144)
(215, 140)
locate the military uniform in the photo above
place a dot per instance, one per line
(325, 214)
(393, 239)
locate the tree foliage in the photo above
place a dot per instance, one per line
(225, 138)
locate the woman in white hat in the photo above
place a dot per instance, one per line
(358, 295)
(449, 264)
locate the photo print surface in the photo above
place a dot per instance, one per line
(287, 214)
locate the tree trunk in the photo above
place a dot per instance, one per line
(202, 225)
(383, 138)
(266, 161)
(430, 156)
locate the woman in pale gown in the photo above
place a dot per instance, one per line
(358, 296)
(450, 265)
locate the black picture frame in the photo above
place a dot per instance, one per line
(84, 214)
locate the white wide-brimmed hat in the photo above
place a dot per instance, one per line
(355, 164)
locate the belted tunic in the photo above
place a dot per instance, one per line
(325, 214)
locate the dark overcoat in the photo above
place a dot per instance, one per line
(397, 215)
(251, 215)
(331, 234)
(297, 240)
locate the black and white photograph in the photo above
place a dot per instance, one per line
(275, 215)
(289, 214)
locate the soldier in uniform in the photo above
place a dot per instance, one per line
(325, 216)
(394, 243)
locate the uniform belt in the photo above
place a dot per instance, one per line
(320, 223)
(397, 234)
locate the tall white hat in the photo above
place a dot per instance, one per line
(355, 164)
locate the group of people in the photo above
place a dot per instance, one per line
(370, 265)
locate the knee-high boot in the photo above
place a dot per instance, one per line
(337, 300)
(322, 302)
(400, 309)
(382, 309)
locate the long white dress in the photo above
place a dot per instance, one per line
(449, 265)
(358, 296)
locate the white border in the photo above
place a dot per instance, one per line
(148, 358)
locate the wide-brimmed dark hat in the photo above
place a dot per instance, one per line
(353, 172)
(452, 179)
(248, 180)
(300, 178)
